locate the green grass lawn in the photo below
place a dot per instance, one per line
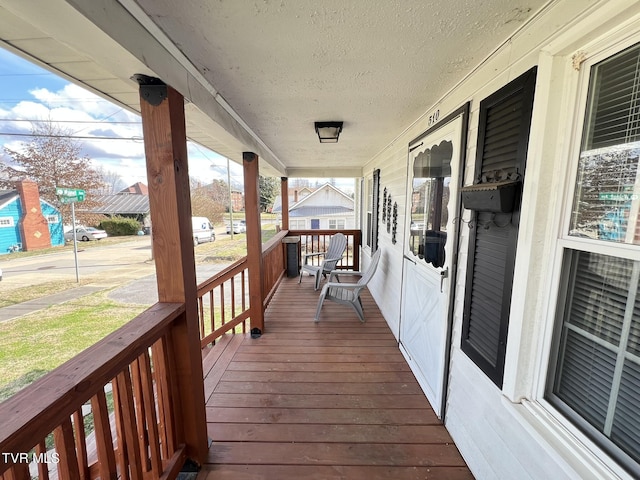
(32, 345)
(35, 344)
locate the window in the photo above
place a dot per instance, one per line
(6, 222)
(297, 224)
(429, 200)
(336, 224)
(594, 377)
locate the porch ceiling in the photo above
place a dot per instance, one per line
(259, 73)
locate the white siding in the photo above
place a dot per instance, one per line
(498, 436)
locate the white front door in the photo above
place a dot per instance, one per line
(432, 209)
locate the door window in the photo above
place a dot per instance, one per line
(429, 201)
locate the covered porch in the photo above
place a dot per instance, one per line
(334, 399)
(320, 401)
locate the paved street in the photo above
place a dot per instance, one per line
(105, 265)
(127, 266)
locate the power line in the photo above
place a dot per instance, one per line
(71, 121)
(78, 137)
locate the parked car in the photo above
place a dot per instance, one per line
(239, 226)
(85, 234)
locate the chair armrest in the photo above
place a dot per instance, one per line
(336, 273)
(345, 286)
(307, 256)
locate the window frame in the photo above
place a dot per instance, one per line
(567, 246)
(337, 222)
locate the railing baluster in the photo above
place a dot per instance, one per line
(140, 416)
(201, 315)
(128, 415)
(81, 444)
(121, 451)
(244, 298)
(43, 467)
(104, 440)
(159, 356)
(222, 314)
(150, 410)
(68, 461)
(212, 315)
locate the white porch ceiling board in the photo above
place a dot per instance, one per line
(257, 74)
(377, 65)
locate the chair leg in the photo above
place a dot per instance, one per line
(357, 306)
(319, 307)
(300, 277)
(317, 281)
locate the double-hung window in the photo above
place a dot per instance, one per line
(594, 377)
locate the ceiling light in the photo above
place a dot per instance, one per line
(328, 132)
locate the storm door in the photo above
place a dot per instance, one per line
(433, 206)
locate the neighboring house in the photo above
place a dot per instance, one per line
(323, 208)
(132, 202)
(28, 222)
(237, 200)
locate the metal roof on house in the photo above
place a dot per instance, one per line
(122, 204)
(319, 211)
(7, 196)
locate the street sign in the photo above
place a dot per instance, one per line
(70, 195)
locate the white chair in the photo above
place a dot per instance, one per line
(348, 293)
(332, 256)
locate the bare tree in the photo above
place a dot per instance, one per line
(111, 181)
(51, 158)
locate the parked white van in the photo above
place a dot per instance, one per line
(202, 230)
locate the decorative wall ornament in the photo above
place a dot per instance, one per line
(389, 214)
(384, 205)
(395, 223)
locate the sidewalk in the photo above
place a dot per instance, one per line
(30, 306)
(132, 289)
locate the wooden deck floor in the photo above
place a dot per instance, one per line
(333, 400)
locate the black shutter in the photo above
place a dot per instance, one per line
(373, 225)
(503, 136)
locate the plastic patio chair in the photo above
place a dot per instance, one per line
(348, 293)
(337, 246)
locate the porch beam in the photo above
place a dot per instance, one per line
(254, 240)
(284, 193)
(163, 123)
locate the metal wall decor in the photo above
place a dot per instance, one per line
(395, 223)
(384, 205)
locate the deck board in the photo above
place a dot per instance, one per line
(333, 400)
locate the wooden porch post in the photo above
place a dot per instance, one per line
(284, 193)
(254, 240)
(165, 142)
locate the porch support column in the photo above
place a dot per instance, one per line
(284, 193)
(254, 240)
(165, 142)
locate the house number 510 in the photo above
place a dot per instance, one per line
(433, 118)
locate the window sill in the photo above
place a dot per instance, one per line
(581, 458)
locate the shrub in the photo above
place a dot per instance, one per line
(120, 226)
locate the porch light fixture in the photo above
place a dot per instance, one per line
(328, 132)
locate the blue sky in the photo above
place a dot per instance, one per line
(29, 93)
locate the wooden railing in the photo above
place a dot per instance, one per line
(318, 241)
(114, 410)
(122, 390)
(223, 301)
